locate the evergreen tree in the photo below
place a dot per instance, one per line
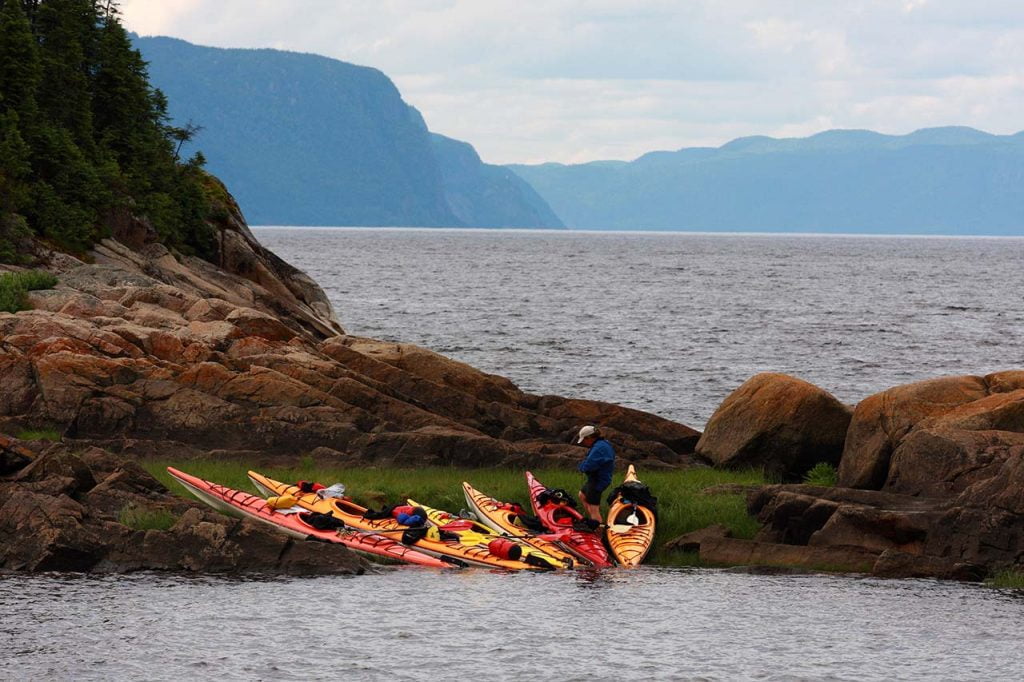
(20, 72)
(66, 30)
(15, 191)
(82, 133)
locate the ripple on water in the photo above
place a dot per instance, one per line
(422, 625)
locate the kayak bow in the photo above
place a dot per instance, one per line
(630, 527)
(242, 504)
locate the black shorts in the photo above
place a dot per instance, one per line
(591, 493)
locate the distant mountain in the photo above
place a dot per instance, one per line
(940, 180)
(307, 140)
(483, 195)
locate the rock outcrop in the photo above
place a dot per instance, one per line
(882, 422)
(145, 352)
(777, 422)
(912, 536)
(87, 512)
(931, 483)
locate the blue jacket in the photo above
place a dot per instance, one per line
(600, 463)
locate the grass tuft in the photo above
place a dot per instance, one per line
(682, 506)
(14, 286)
(1007, 579)
(39, 434)
(822, 474)
(139, 518)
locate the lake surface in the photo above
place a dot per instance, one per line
(417, 624)
(671, 323)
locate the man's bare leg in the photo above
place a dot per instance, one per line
(593, 510)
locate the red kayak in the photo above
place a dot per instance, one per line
(559, 519)
(239, 503)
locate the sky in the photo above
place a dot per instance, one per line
(530, 81)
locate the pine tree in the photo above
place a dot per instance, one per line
(67, 34)
(15, 189)
(82, 133)
(20, 72)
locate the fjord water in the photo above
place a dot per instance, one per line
(672, 322)
(664, 322)
(420, 624)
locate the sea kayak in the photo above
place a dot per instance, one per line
(472, 532)
(352, 514)
(502, 518)
(239, 503)
(559, 519)
(631, 521)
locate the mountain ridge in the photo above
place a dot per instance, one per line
(304, 139)
(946, 180)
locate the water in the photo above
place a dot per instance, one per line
(414, 624)
(665, 322)
(672, 323)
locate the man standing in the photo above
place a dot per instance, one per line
(598, 466)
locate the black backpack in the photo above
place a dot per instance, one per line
(636, 493)
(322, 521)
(555, 496)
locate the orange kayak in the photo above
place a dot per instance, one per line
(352, 514)
(500, 517)
(239, 503)
(474, 532)
(630, 524)
(559, 519)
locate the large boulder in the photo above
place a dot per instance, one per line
(943, 462)
(881, 421)
(933, 436)
(777, 422)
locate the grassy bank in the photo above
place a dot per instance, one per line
(1007, 579)
(682, 505)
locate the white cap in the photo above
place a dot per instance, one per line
(586, 432)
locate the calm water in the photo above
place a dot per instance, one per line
(671, 323)
(667, 323)
(414, 624)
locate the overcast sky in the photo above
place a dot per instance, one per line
(562, 80)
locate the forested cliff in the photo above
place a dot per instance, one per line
(303, 139)
(85, 141)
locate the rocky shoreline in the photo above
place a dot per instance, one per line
(64, 509)
(930, 477)
(143, 352)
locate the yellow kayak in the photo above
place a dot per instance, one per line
(501, 517)
(352, 514)
(475, 533)
(630, 523)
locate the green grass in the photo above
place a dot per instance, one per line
(138, 518)
(682, 507)
(1007, 579)
(39, 434)
(822, 474)
(14, 286)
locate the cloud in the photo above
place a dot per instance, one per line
(569, 81)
